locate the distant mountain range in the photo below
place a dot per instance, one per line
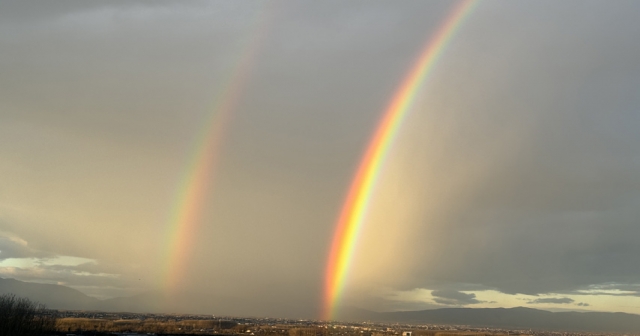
(66, 298)
(61, 297)
(507, 318)
(54, 296)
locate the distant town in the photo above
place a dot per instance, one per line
(128, 324)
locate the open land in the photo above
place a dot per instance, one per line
(108, 323)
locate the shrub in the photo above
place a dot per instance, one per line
(21, 316)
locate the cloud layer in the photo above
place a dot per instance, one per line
(516, 173)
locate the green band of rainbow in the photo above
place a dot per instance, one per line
(353, 213)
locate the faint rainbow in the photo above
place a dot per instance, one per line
(200, 169)
(354, 209)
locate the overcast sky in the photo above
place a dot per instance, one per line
(515, 180)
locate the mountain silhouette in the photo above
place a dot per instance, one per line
(508, 318)
(53, 296)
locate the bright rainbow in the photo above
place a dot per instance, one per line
(197, 180)
(350, 222)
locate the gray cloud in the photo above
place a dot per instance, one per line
(94, 278)
(12, 247)
(564, 300)
(582, 304)
(453, 297)
(611, 289)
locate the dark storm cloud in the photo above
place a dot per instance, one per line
(536, 124)
(453, 297)
(553, 300)
(556, 207)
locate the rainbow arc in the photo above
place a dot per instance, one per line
(352, 217)
(200, 171)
